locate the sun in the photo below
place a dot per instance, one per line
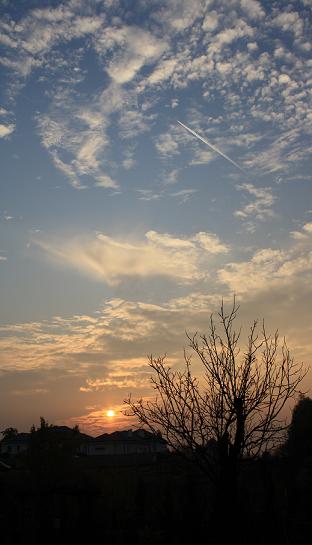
(110, 413)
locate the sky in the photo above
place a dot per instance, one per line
(120, 229)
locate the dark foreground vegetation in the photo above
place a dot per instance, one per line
(157, 503)
(53, 496)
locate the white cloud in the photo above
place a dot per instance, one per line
(82, 132)
(87, 155)
(290, 21)
(181, 14)
(253, 9)
(202, 157)
(148, 195)
(308, 227)
(279, 154)
(163, 71)
(210, 21)
(269, 269)
(107, 182)
(284, 79)
(112, 260)
(228, 35)
(166, 145)
(138, 47)
(261, 207)
(128, 163)
(210, 243)
(133, 122)
(304, 234)
(172, 176)
(184, 194)
(68, 170)
(6, 130)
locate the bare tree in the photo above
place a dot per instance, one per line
(235, 409)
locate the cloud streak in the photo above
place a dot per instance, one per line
(219, 152)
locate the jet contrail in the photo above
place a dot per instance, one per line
(212, 147)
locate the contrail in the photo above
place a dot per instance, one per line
(212, 147)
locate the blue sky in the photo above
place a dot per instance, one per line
(119, 229)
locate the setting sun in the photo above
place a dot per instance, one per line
(110, 413)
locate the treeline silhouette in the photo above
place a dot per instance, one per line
(51, 494)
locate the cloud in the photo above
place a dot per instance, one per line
(124, 374)
(211, 21)
(112, 260)
(68, 170)
(133, 122)
(250, 95)
(76, 135)
(179, 15)
(202, 157)
(148, 195)
(94, 360)
(184, 194)
(281, 153)
(42, 29)
(6, 130)
(106, 348)
(135, 48)
(172, 177)
(215, 149)
(163, 71)
(304, 234)
(261, 207)
(269, 269)
(107, 182)
(95, 421)
(166, 145)
(290, 21)
(284, 79)
(229, 35)
(253, 9)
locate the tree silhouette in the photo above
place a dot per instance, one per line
(235, 409)
(53, 447)
(299, 441)
(9, 433)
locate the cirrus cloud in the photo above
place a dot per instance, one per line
(160, 254)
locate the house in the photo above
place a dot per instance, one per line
(108, 444)
(14, 444)
(126, 443)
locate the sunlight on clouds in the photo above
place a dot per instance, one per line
(96, 421)
(126, 374)
(6, 130)
(304, 234)
(268, 268)
(111, 260)
(84, 348)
